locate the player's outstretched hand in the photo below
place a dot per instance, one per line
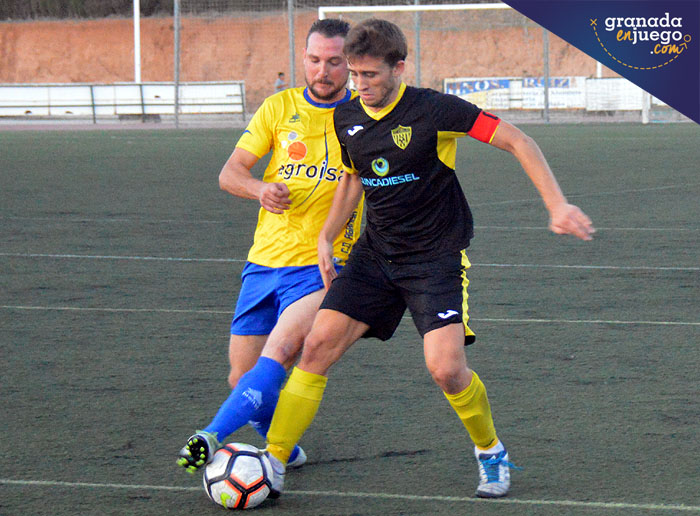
(570, 220)
(274, 197)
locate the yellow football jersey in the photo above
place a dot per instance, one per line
(306, 157)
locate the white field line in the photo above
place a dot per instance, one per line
(115, 310)
(84, 220)
(592, 194)
(378, 496)
(108, 257)
(586, 321)
(544, 228)
(230, 313)
(238, 260)
(596, 267)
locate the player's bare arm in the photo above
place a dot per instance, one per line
(564, 218)
(347, 195)
(236, 179)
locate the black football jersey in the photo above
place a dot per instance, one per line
(405, 157)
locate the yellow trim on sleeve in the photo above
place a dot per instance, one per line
(447, 147)
(494, 133)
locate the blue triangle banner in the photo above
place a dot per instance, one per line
(653, 43)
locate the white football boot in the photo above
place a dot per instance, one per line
(494, 472)
(300, 458)
(276, 475)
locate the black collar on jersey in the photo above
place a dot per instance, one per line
(324, 105)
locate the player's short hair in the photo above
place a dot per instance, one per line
(376, 38)
(329, 28)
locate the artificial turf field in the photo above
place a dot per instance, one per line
(120, 264)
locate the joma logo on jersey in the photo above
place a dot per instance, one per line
(401, 136)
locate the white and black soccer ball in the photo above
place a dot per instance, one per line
(238, 477)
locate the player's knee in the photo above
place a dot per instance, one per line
(449, 377)
(315, 345)
(285, 350)
(319, 351)
(236, 373)
(234, 376)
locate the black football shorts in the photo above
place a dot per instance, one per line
(376, 291)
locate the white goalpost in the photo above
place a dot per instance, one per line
(322, 10)
(416, 9)
(425, 22)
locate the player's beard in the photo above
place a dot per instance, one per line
(386, 98)
(324, 97)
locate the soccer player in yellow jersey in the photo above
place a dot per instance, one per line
(399, 144)
(282, 287)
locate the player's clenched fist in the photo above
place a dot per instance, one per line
(274, 197)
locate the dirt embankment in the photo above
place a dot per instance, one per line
(251, 48)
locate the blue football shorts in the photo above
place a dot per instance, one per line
(267, 291)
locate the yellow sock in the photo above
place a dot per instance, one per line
(296, 409)
(472, 407)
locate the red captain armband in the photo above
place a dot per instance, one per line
(484, 127)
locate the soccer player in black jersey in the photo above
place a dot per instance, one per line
(398, 145)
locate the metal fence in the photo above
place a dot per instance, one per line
(92, 9)
(127, 101)
(252, 41)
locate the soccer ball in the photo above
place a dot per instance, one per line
(238, 477)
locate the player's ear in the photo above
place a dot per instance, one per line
(398, 68)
